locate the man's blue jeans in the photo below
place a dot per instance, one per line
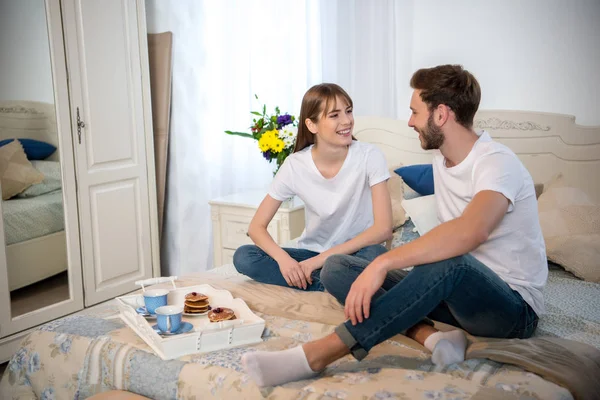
(250, 260)
(460, 291)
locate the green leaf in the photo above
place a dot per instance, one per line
(242, 134)
(255, 96)
(256, 113)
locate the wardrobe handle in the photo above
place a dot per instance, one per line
(80, 124)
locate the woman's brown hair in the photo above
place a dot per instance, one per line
(317, 101)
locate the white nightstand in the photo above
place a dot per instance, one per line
(231, 216)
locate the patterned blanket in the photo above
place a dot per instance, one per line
(78, 356)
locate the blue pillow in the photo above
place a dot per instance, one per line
(418, 177)
(34, 149)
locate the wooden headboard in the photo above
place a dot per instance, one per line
(31, 120)
(547, 144)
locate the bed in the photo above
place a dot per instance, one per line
(81, 355)
(34, 220)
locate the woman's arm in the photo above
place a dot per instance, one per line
(290, 269)
(379, 232)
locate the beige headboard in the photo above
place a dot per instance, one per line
(547, 144)
(29, 119)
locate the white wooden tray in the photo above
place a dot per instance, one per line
(206, 336)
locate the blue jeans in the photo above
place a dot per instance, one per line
(250, 260)
(459, 291)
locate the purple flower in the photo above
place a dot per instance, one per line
(283, 120)
(267, 155)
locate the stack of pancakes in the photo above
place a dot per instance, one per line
(196, 303)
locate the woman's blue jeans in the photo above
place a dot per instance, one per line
(460, 291)
(250, 260)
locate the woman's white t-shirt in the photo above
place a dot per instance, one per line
(336, 209)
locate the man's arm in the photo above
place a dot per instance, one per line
(453, 238)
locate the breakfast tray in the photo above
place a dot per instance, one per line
(206, 336)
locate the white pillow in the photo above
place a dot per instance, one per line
(423, 212)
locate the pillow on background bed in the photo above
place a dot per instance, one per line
(570, 223)
(34, 149)
(52, 179)
(418, 177)
(16, 172)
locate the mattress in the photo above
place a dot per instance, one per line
(93, 352)
(33, 217)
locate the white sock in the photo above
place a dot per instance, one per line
(271, 368)
(447, 347)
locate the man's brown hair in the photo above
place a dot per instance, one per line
(451, 85)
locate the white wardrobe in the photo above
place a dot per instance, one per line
(101, 98)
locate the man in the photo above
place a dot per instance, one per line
(482, 269)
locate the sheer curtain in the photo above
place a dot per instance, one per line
(224, 52)
(366, 48)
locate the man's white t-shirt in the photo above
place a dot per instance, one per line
(515, 250)
(336, 209)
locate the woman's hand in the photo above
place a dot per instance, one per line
(309, 265)
(358, 301)
(292, 273)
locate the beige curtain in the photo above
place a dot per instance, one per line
(159, 55)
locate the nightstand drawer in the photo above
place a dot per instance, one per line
(235, 231)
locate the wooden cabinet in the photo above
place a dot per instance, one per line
(99, 114)
(231, 216)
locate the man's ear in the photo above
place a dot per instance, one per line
(441, 114)
(311, 125)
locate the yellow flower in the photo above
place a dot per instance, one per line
(277, 145)
(273, 134)
(264, 143)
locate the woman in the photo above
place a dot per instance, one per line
(342, 183)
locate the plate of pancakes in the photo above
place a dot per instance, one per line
(196, 304)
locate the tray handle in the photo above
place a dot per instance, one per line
(156, 281)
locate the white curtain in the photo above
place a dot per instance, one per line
(366, 48)
(224, 52)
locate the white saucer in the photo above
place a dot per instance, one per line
(184, 328)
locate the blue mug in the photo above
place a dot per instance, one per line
(155, 298)
(168, 318)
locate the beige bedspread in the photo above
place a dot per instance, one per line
(571, 364)
(79, 356)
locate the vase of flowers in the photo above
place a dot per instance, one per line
(275, 134)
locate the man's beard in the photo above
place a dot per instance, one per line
(432, 135)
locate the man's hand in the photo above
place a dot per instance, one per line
(309, 265)
(292, 273)
(358, 301)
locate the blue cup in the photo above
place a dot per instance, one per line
(168, 318)
(155, 298)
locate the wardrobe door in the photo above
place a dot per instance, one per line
(40, 264)
(106, 49)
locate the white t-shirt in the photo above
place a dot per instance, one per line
(515, 250)
(336, 209)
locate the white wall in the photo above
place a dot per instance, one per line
(535, 55)
(25, 72)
